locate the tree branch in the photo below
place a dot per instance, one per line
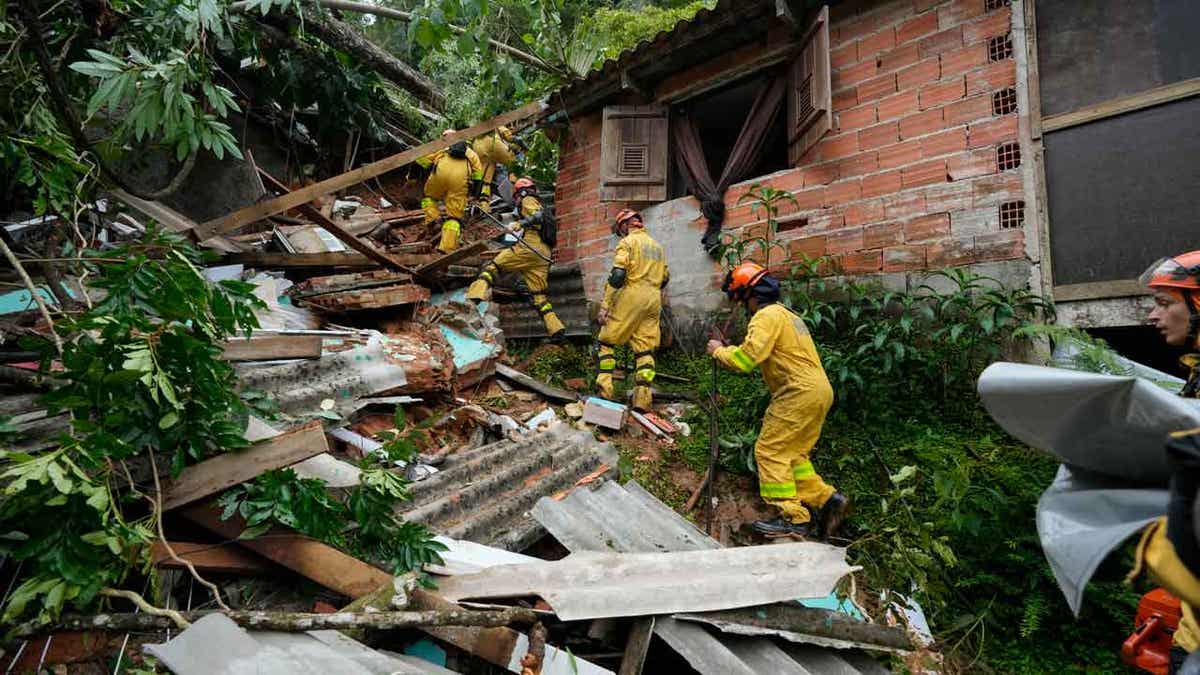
(363, 8)
(150, 611)
(33, 291)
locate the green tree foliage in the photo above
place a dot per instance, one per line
(623, 28)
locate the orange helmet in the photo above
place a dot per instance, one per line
(741, 280)
(522, 184)
(1181, 272)
(624, 219)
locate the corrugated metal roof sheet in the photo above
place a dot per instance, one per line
(628, 518)
(484, 495)
(519, 319)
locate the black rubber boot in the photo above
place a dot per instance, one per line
(831, 515)
(780, 527)
(559, 338)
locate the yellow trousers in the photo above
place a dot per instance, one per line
(632, 320)
(532, 267)
(786, 477)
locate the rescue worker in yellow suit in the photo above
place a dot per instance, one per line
(1170, 547)
(455, 176)
(493, 149)
(778, 342)
(536, 235)
(629, 313)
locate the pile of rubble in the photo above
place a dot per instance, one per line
(551, 565)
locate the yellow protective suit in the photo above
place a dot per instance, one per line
(492, 150)
(531, 258)
(449, 182)
(633, 311)
(778, 342)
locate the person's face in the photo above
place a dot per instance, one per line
(1170, 316)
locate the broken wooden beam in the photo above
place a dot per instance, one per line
(269, 347)
(285, 260)
(796, 623)
(270, 207)
(222, 558)
(219, 473)
(370, 298)
(296, 621)
(308, 557)
(314, 214)
(450, 258)
(637, 645)
(548, 390)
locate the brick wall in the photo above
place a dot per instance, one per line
(907, 180)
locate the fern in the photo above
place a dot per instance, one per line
(1032, 614)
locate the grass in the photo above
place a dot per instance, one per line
(955, 530)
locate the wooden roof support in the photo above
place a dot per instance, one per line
(254, 212)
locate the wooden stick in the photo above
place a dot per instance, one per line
(255, 212)
(152, 618)
(12, 260)
(691, 502)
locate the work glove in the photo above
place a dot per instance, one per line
(602, 317)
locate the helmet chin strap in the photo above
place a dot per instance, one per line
(1193, 336)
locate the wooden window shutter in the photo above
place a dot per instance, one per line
(810, 103)
(633, 154)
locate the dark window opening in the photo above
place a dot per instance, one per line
(1012, 215)
(1004, 102)
(719, 115)
(1145, 345)
(993, 5)
(1000, 48)
(1008, 156)
(787, 223)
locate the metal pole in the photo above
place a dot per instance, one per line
(713, 451)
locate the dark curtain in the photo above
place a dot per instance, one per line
(746, 153)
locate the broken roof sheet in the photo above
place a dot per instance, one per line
(520, 320)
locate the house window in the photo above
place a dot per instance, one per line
(718, 117)
(1004, 102)
(1012, 215)
(993, 5)
(1000, 48)
(1008, 156)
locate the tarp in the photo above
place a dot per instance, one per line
(1108, 431)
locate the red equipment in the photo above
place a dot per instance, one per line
(1149, 647)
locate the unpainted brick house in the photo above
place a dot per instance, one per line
(1052, 146)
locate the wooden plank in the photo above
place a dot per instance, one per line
(314, 214)
(223, 558)
(224, 471)
(451, 258)
(637, 646)
(265, 347)
(1094, 290)
(285, 260)
(547, 390)
(255, 212)
(1119, 106)
(308, 557)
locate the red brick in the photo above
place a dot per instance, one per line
(858, 263)
(876, 88)
(844, 241)
(915, 28)
(863, 212)
(926, 173)
(858, 165)
(959, 61)
(879, 42)
(883, 235)
(809, 247)
(898, 58)
(842, 192)
(813, 198)
(992, 190)
(923, 72)
(898, 105)
(878, 135)
(993, 131)
(857, 29)
(854, 75)
(789, 180)
(994, 24)
(857, 118)
(844, 99)
(959, 11)
(968, 110)
(905, 205)
(903, 258)
(971, 164)
(1002, 245)
(940, 42)
(992, 77)
(921, 123)
(953, 196)
(881, 184)
(951, 251)
(922, 5)
(894, 156)
(822, 174)
(592, 248)
(837, 147)
(944, 143)
(843, 56)
(927, 228)
(940, 94)
(826, 220)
